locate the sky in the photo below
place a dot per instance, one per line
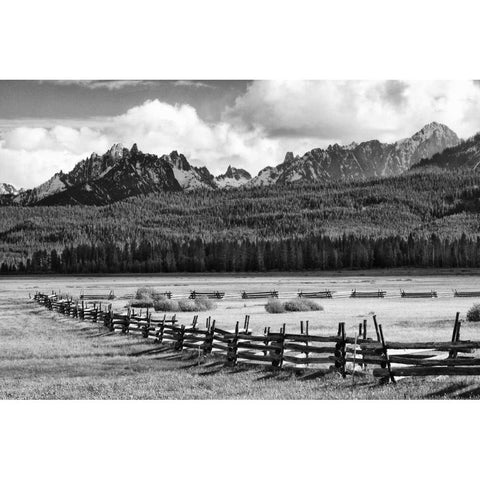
(48, 126)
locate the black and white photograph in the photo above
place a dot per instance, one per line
(190, 236)
(314, 235)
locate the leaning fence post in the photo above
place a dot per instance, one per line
(385, 352)
(455, 335)
(376, 327)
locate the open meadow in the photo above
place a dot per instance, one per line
(45, 355)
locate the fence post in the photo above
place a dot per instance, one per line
(340, 349)
(376, 327)
(306, 340)
(209, 339)
(179, 343)
(266, 332)
(385, 352)
(233, 348)
(279, 351)
(455, 335)
(126, 324)
(246, 323)
(364, 328)
(162, 328)
(344, 351)
(146, 328)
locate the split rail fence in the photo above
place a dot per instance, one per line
(317, 354)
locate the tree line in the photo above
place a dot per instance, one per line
(329, 225)
(292, 254)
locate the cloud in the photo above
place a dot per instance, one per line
(271, 118)
(192, 83)
(355, 110)
(106, 84)
(30, 155)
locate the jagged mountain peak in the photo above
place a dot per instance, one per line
(232, 178)
(370, 159)
(117, 151)
(8, 189)
(134, 150)
(177, 160)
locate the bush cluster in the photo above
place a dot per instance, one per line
(185, 305)
(295, 305)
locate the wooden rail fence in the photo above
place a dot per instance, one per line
(322, 294)
(270, 294)
(377, 294)
(323, 353)
(217, 295)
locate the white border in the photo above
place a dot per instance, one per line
(215, 39)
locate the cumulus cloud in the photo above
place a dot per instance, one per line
(106, 84)
(30, 155)
(356, 110)
(264, 123)
(192, 83)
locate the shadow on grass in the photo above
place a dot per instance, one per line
(469, 394)
(450, 390)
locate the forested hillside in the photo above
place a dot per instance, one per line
(376, 223)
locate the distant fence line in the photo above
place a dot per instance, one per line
(323, 294)
(316, 354)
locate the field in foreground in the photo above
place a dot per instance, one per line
(47, 356)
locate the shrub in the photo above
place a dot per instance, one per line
(164, 304)
(274, 306)
(143, 303)
(302, 305)
(187, 305)
(148, 293)
(473, 315)
(144, 292)
(198, 305)
(205, 303)
(295, 305)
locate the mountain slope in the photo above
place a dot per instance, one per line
(465, 155)
(118, 174)
(371, 159)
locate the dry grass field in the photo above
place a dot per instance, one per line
(45, 355)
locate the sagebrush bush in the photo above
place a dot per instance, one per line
(205, 303)
(274, 306)
(144, 292)
(187, 305)
(473, 315)
(301, 305)
(164, 304)
(148, 293)
(142, 303)
(295, 305)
